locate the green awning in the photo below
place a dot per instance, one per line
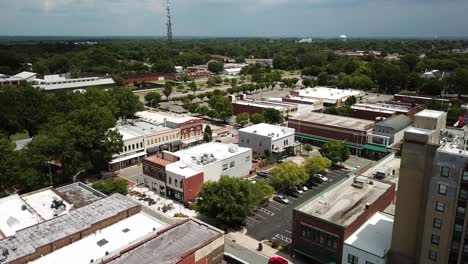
(326, 140)
(375, 148)
(315, 255)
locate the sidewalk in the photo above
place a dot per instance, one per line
(252, 244)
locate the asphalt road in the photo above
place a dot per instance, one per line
(243, 253)
(273, 220)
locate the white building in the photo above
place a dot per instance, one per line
(371, 242)
(329, 96)
(184, 172)
(265, 137)
(56, 82)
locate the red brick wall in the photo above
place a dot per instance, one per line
(370, 115)
(192, 186)
(297, 240)
(353, 136)
(249, 109)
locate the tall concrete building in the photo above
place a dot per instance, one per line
(430, 220)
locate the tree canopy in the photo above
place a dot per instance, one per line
(288, 174)
(112, 185)
(335, 151)
(317, 164)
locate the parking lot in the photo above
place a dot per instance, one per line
(272, 220)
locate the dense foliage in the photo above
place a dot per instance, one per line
(230, 200)
(288, 174)
(112, 185)
(335, 151)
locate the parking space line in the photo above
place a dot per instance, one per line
(259, 215)
(287, 231)
(253, 219)
(266, 211)
(273, 207)
(276, 203)
(285, 239)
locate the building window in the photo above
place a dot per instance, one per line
(432, 255)
(437, 223)
(435, 239)
(444, 172)
(463, 194)
(181, 183)
(461, 212)
(170, 180)
(248, 141)
(465, 249)
(260, 144)
(353, 259)
(141, 144)
(440, 206)
(175, 182)
(125, 148)
(232, 164)
(306, 232)
(465, 175)
(225, 166)
(443, 189)
(458, 228)
(455, 246)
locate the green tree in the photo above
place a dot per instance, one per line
(335, 151)
(167, 90)
(230, 200)
(242, 119)
(458, 81)
(307, 147)
(112, 185)
(308, 83)
(351, 100)
(164, 66)
(215, 66)
(207, 134)
(127, 102)
(272, 116)
(152, 98)
(193, 86)
(317, 164)
(322, 78)
(257, 118)
(221, 105)
(288, 174)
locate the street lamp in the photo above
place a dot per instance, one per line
(74, 176)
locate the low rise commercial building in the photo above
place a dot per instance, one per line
(180, 175)
(316, 104)
(191, 128)
(10, 80)
(371, 242)
(390, 131)
(59, 82)
(318, 128)
(266, 137)
(251, 106)
(321, 225)
(376, 112)
(329, 96)
(417, 100)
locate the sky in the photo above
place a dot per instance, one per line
(237, 18)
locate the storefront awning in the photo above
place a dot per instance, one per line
(375, 148)
(326, 140)
(315, 255)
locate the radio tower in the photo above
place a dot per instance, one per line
(169, 29)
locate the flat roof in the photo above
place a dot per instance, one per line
(27, 240)
(13, 217)
(173, 244)
(135, 129)
(109, 239)
(430, 113)
(343, 203)
(304, 99)
(68, 84)
(41, 202)
(374, 236)
(334, 120)
(389, 107)
(79, 194)
(326, 93)
(158, 117)
(269, 130)
(280, 106)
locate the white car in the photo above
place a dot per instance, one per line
(281, 199)
(321, 177)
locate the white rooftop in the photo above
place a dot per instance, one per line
(420, 131)
(327, 94)
(304, 99)
(73, 83)
(118, 236)
(430, 113)
(25, 75)
(135, 129)
(41, 202)
(280, 106)
(269, 130)
(158, 117)
(375, 236)
(13, 217)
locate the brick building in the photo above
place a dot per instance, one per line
(322, 224)
(251, 106)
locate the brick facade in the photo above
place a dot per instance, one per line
(192, 187)
(301, 219)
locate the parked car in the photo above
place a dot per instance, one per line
(292, 192)
(320, 178)
(264, 174)
(277, 260)
(311, 184)
(298, 189)
(281, 199)
(303, 187)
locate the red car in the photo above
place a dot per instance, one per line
(277, 260)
